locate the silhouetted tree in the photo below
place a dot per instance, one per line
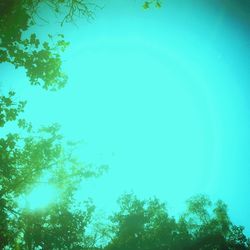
(61, 226)
(146, 225)
(27, 155)
(41, 58)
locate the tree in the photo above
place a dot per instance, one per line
(61, 226)
(210, 225)
(41, 59)
(146, 225)
(28, 154)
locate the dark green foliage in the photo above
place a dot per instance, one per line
(41, 59)
(59, 227)
(146, 225)
(25, 156)
(155, 3)
(9, 109)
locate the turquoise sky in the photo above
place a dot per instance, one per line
(161, 96)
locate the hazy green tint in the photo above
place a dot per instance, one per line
(162, 97)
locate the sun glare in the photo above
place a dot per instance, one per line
(40, 197)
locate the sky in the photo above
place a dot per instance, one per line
(161, 96)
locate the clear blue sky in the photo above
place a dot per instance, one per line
(161, 96)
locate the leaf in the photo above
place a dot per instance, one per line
(146, 5)
(158, 5)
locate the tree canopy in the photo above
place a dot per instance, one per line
(41, 59)
(146, 225)
(27, 154)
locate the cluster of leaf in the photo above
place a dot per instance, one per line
(146, 225)
(9, 110)
(25, 156)
(59, 227)
(155, 3)
(138, 225)
(41, 59)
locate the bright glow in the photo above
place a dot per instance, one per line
(40, 197)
